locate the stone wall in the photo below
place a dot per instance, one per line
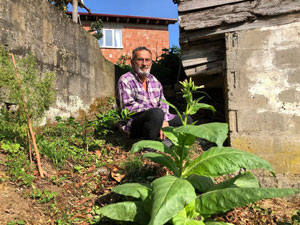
(263, 82)
(61, 46)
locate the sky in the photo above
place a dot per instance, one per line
(151, 8)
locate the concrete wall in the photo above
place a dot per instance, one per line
(61, 46)
(263, 81)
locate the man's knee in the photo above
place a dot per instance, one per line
(155, 114)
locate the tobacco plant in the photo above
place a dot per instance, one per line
(190, 196)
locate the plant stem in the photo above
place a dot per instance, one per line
(28, 120)
(29, 146)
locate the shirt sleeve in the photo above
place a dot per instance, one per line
(127, 98)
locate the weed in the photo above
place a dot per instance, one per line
(43, 196)
(17, 164)
(296, 218)
(18, 222)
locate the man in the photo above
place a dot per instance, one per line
(140, 92)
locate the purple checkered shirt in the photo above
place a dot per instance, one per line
(132, 96)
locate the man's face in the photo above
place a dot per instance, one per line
(142, 63)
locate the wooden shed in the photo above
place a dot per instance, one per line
(250, 49)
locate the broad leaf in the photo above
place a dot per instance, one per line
(163, 160)
(187, 215)
(125, 211)
(186, 139)
(226, 160)
(194, 108)
(181, 220)
(157, 145)
(201, 183)
(170, 195)
(171, 134)
(220, 201)
(213, 132)
(135, 190)
(242, 180)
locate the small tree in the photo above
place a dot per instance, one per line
(25, 95)
(96, 29)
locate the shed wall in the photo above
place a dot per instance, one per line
(263, 81)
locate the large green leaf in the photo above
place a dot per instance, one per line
(242, 180)
(201, 183)
(170, 195)
(220, 201)
(219, 161)
(150, 144)
(135, 190)
(125, 211)
(213, 132)
(163, 160)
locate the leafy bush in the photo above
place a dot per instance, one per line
(191, 196)
(36, 88)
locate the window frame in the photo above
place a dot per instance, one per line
(113, 38)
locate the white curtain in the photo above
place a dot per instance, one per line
(118, 38)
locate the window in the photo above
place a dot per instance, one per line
(112, 38)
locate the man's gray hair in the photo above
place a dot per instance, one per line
(140, 49)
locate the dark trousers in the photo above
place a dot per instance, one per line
(147, 124)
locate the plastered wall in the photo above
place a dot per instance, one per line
(61, 46)
(263, 82)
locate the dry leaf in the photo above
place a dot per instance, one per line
(118, 173)
(98, 153)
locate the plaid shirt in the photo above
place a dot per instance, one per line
(132, 95)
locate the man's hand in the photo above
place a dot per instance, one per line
(162, 135)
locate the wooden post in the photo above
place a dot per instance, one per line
(75, 11)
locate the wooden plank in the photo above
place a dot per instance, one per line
(206, 69)
(233, 14)
(187, 37)
(190, 5)
(204, 53)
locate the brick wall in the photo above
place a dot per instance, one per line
(154, 37)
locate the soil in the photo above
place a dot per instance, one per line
(80, 192)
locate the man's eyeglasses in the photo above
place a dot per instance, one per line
(141, 60)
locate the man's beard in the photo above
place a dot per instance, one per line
(140, 72)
